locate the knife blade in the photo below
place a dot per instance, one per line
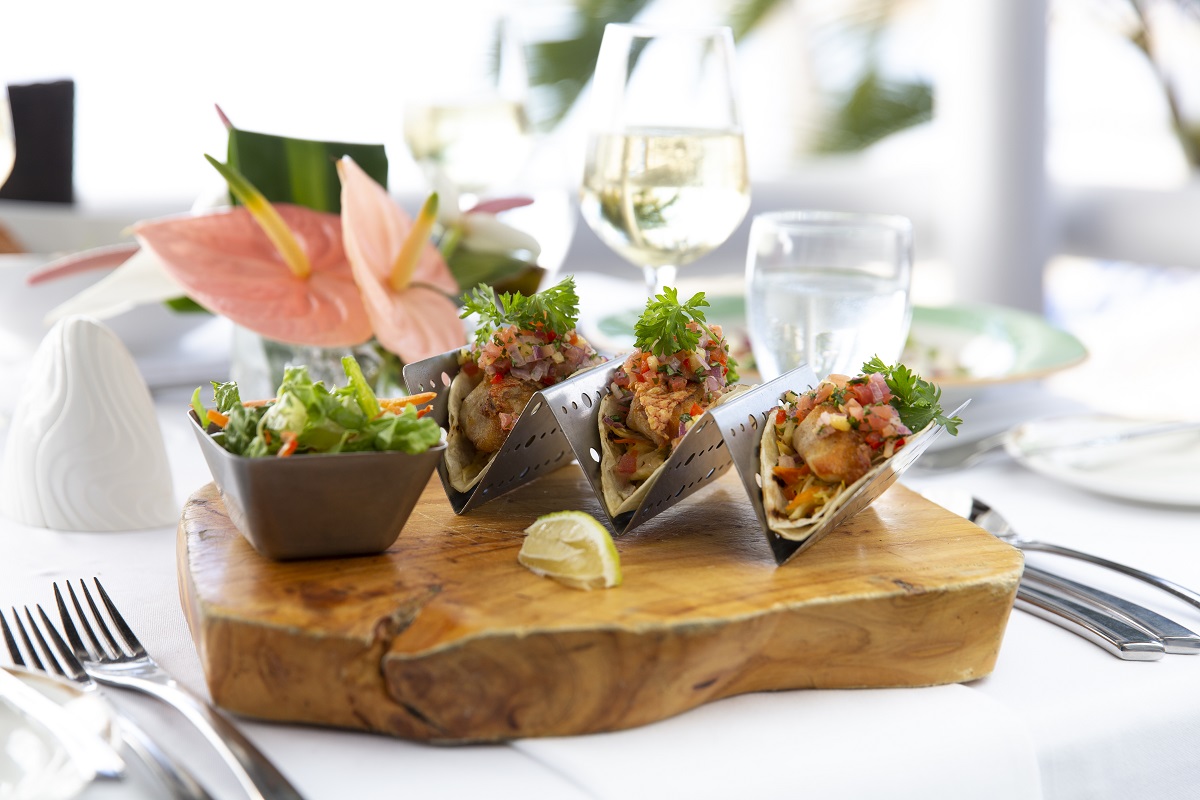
(1175, 637)
(1081, 609)
(93, 756)
(1106, 630)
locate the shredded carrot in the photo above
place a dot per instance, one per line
(289, 444)
(807, 496)
(626, 440)
(217, 418)
(257, 403)
(791, 475)
(395, 404)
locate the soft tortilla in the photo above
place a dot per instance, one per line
(621, 496)
(464, 464)
(774, 501)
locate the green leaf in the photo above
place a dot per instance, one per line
(366, 398)
(556, 309)
(185, 305)
(198, 407)
(914, 398)
(663, 327)
(226, 396)
(300, 171)
(471, 268)
(746, 15)
(405, 432)
(874, 109)
(559, 69)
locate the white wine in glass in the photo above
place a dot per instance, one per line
(665, 179)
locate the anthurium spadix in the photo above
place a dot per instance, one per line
(278, 270)
(406, 285)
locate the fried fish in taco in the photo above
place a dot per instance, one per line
(522, 344)
(681, 368)
(818, 447)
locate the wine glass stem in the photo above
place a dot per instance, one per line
(658, 277)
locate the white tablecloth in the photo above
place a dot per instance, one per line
(1059, 718)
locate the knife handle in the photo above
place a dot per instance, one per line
(1109, 632)
(1175, 637)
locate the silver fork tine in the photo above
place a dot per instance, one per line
(87, 627)
(174, 776)
(14, 652)
(53, 665)
(33, 656)
(80, 649)
(140, 672)
(65, 657)
(131, 641)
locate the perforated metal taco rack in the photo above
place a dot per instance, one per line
(740, 422)
(699, 458)
(535, 446)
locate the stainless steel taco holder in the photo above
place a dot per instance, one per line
(699, 458)
(741, 422)
(562, 421)
(535, 446)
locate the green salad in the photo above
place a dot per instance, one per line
(306, 417)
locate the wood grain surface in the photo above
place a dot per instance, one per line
(445, 637)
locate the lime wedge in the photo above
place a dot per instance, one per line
(574, 549)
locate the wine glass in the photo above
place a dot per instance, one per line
(665, 178)
(8, 146)
(470, 129)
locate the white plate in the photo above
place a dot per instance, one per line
(1163, 470)
(33, 765)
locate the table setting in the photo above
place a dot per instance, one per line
(393, 512)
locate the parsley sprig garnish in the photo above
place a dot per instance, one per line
(553, 309)
(663, 327)
(916, 399)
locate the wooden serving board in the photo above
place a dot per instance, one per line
(445, 637)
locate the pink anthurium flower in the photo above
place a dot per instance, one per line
(227, 264)
(406, 284)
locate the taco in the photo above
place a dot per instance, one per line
(818, 447)
(522, 344)
(680, 369)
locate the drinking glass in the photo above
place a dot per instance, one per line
(665, 177)
(829, 289)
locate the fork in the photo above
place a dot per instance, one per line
(136, 670)
(985, 517)
(173, 776)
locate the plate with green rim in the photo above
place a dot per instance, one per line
(956, 346)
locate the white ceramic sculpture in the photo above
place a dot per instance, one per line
(84, 451)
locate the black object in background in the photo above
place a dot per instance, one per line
(43, 116)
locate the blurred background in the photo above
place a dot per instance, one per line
(1035, 144)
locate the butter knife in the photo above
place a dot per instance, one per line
(1118, 637)
(93, 756)
(1175, 637)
